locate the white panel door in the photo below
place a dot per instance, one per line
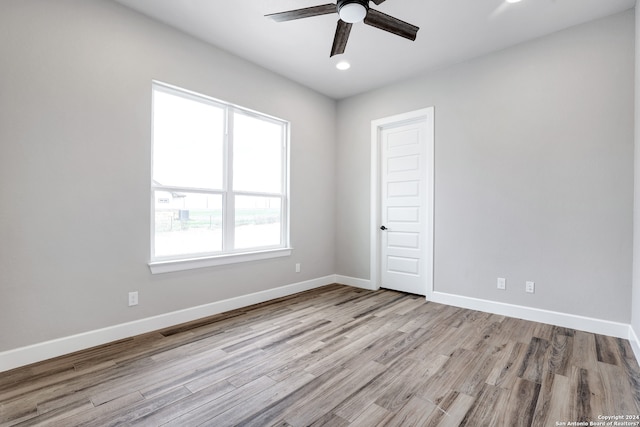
(404, 188)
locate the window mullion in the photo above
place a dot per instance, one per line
(229, 199)
(256, 193)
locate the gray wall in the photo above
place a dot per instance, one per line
(534, 171)
(75, 97)
(635, 310)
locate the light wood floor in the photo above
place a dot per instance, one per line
(335, 356)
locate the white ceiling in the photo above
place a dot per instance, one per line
(451, 31)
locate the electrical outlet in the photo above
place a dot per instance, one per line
(133, 298)
(502, 283)
(530, 287)
(298, 267)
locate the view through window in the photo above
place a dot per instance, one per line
(219, 177)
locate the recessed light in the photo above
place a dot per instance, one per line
(343, 65)
(513, 1)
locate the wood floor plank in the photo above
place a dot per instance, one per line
(278, 411)
(425, 316)
(221, 369)
(336, 356)
(402, 389)
(246, 408)
(544, 331)
(373, 415)
(607, 350)
(12, 388)
(451, 410)
(349, 352)
(549, 409)
(153, 378)
(448, 378)
(208, 397)
(356, 404)
(505, 371)
(282, 372)
(64, 401)
(270, 361)
(489, 409)
(475, 379)
(404, 344)
(415, 412)
(585, 391)
(532, 366)
(133, 412)
(518, 330)
(54, 416)
(522, 403)
(559, 355)
(199, 409)
(350, 327)
(485, 336)
(617, 393)
(584, 352)
(329, 395)
(85, 417)
(401, 306)
(631, 368)
(329, 419)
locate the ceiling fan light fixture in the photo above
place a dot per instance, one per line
(352, 11)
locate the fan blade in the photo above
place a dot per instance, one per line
(340, 40)
(306, 12)
(377, 1)
(391, 24)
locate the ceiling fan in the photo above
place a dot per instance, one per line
(350, 12)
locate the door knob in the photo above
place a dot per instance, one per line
(383, 228)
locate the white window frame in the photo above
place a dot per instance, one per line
(167, 264)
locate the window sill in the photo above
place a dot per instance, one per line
(159, 267)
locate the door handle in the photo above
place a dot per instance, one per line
(383, 228)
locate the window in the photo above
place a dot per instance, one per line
(219, 182)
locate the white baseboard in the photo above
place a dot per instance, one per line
(42, 351)
(355, 282)
(587, 324)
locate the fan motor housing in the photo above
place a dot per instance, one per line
(342, 3)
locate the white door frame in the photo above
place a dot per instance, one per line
(427, 115)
